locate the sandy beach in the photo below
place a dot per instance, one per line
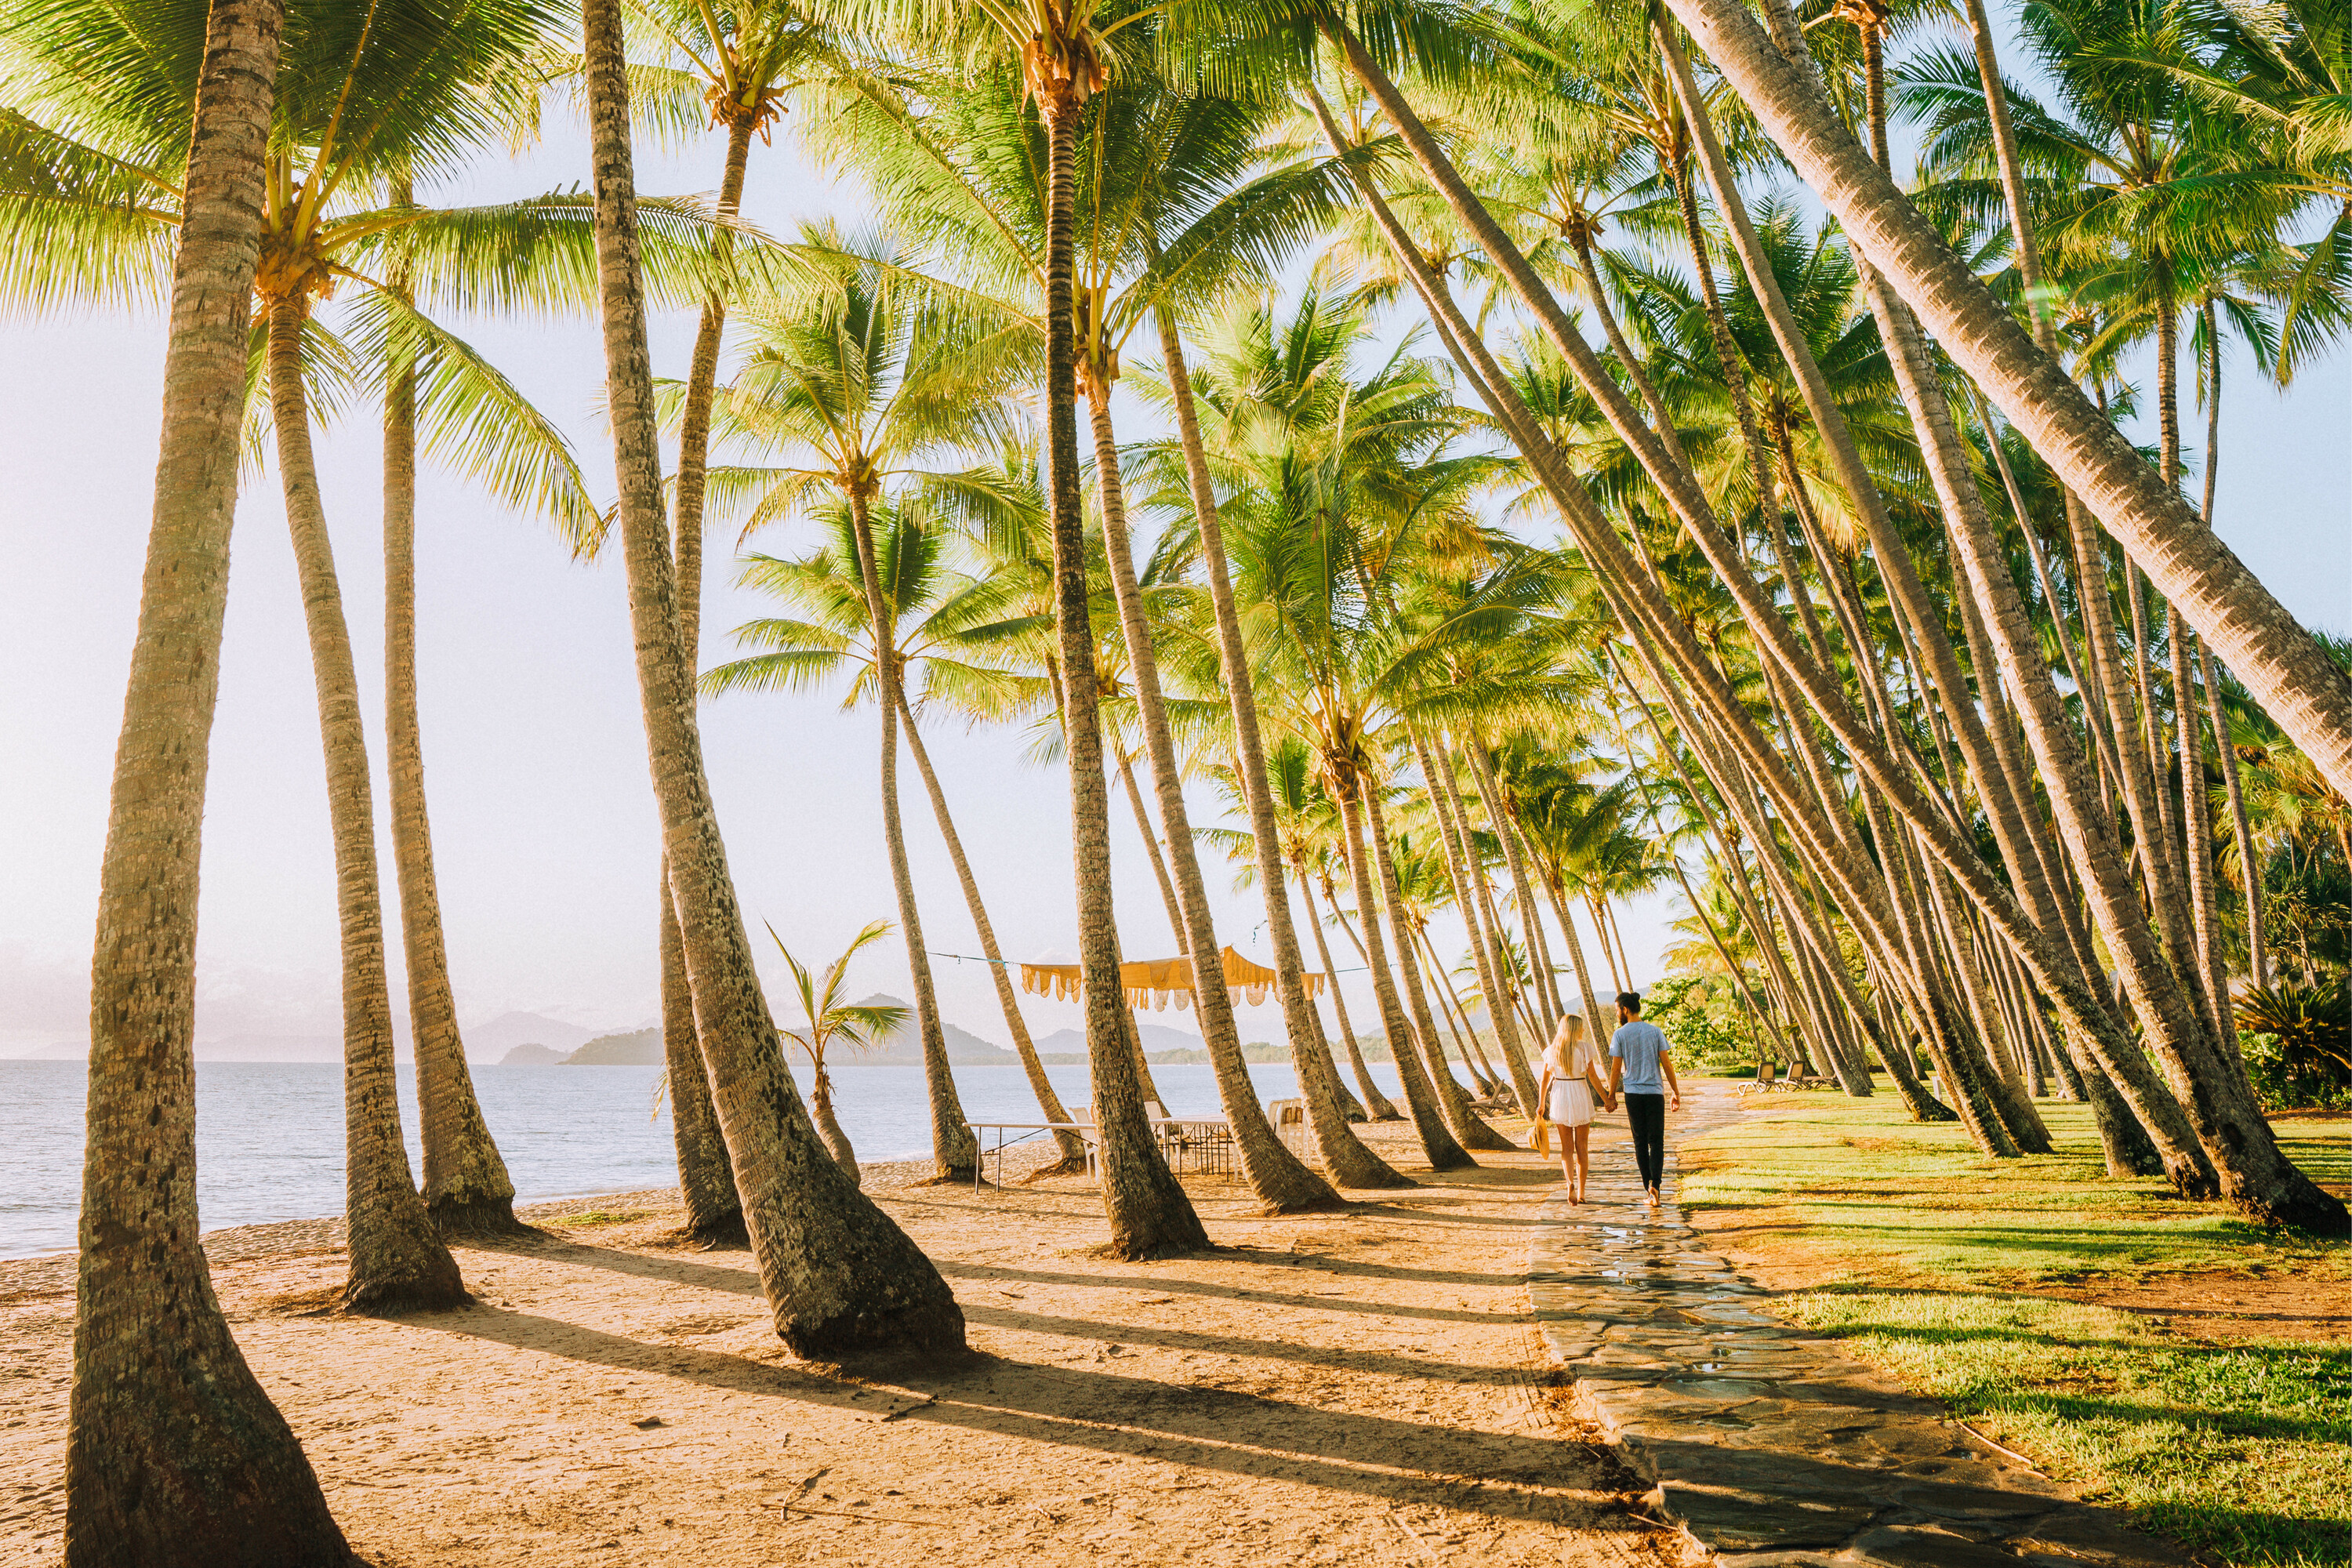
(1356, 1386)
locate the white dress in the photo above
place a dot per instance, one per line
(1571, 1097)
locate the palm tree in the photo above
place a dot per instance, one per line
(1063, 52)
(2230, 608)
(1166, 171)
(1327, 466)
(726, 68)
(873, 374)
(1306, 833)
(830, 1020)
(157, 1380)
(938, 617)
(361, 128)
(841, 1277)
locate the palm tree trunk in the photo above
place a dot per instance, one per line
(2158, 845)
(2288, 672)
(829, 1126)
(1497, 979)
(1472, 1133)
(955, 1155)
(175, 1456)
(1490, 796)
(714, 1214)
(1279, 1178)
(706, 1183)
(1660, 421)
(1376, 1104)
(398, 1262)
(2250, 857)
(467, 1188)
(1149, 1215)
(2249, 864)
(2197, 846)
(840, 1277)
(1151, 847)
(1491, 1084)
(1436, 1142)
(1345, 1155)
(1719, 326)
(1073, 1149)
(1484, 954)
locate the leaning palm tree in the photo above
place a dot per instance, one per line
(1165, 168)
(377, 107)
(938, 620)
(157, 1380)
(1325, 464)
(702, 67)
(832, 1021)
(841, 1277)
(850, 384)
(2274, 654)
(1063, 52)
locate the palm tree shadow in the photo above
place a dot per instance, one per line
(1207, 1427)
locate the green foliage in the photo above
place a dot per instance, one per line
(2297, 1041)
(1703, 1023)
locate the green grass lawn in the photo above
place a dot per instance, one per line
(1923, 1257)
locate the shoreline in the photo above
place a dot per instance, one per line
(34, 1273)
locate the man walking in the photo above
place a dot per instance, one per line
(1641, 1068)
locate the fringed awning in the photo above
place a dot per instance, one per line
(1153, 983)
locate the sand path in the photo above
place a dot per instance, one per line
(1360, 1386)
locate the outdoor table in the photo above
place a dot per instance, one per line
(1027, 1129)
(1212, 1134)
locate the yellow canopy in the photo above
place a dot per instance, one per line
(1153, 982)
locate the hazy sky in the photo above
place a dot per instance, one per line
(543, 816)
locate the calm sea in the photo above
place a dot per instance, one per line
(270, 1136)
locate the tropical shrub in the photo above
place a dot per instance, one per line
(2297, 1041)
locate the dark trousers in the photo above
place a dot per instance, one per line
(1646, 1115)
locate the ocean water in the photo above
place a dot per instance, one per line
(270, 1136)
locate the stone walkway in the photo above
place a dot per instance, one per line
(1764, 1446)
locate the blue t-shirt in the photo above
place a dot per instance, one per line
(1640, 1045)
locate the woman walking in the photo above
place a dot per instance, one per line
(1571, 1087)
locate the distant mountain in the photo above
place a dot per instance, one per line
(532, 1054)
(508, 1030)
(1156, 1038)
(904, 1044)
(640, 1049)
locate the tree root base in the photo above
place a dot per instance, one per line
(1388, 1179)
(1335, 1204)
(726, 1234)
(1074, 1165)
(400, 1299)
(467, 1219)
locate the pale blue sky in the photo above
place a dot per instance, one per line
(541, 810)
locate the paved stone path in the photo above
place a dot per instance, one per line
(1764, 1446)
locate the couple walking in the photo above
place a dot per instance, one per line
(1638, 1066)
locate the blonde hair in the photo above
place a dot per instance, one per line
(1569, 1033)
